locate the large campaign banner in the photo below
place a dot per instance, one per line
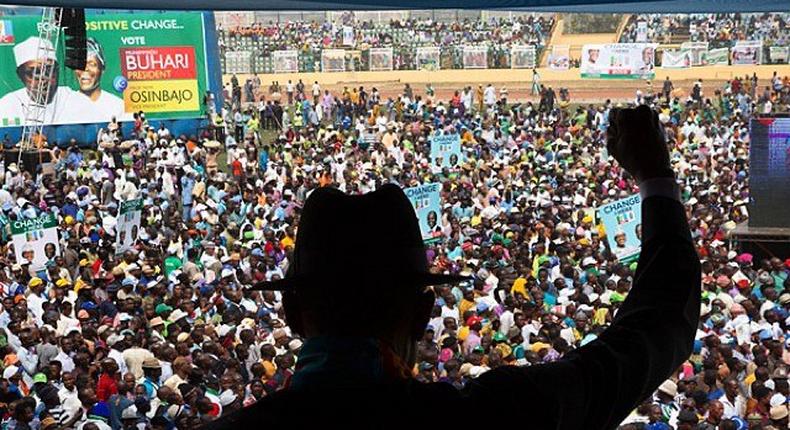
(622, 221)
(128, 228)
(720, 56)
(428, 58)
(333, 60)
(522, 57)
(475, 57)
(676, 59)
(151, 62)
(560, 57)
(619, 61)
(36, 240)
(446, 150)
(286, 61)
(747, 53)
(697, 49)
(380, 59)
(427, 202)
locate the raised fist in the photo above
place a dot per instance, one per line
(635, 139)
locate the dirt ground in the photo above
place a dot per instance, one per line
(518, 82)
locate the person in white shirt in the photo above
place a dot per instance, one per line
(35, 300)
(116, 354)
(734, 403)
(316, 92)
(64, 355)
(466, 99)
(101, 105)
(450, 310)
(60, 101)
(767, 107)
(489, 96)
(69, 397)
(163, 132)
(289, 89)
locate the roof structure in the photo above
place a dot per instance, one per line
(608, 6)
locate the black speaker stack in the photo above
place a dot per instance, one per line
(73, 22)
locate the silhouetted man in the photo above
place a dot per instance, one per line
(357, 291)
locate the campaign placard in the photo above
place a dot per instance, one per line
(426, 200)
(36, 240)
(623, 223)
(128, 229)
(446, 150)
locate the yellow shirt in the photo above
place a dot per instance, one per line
(286, 242)
(269, 369)
(463, 333)
(465, 305)
(519, 286)
(599, 318)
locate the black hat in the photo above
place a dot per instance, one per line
(687, 416)
(365, 240)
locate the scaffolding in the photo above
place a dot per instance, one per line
(35, 112)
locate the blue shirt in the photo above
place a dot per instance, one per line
(187, 184)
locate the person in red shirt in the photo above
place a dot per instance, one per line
(108, 380)
(238, 170)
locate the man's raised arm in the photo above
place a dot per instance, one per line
(596, 386)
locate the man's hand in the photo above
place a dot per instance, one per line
(636, 140)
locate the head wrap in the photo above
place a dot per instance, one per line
(95, 50)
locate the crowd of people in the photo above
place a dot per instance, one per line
(719, 30)
(167, 334)
(309, 38)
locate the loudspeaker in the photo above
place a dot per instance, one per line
(73, 22)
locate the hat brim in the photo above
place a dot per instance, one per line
(423, 279)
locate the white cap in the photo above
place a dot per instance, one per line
(177, 315)
(668, 387)
(129, 413)
(224, 329)
(227, 397)
(113, 339)
(778, 399)
(28, 50)
(10, 371)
